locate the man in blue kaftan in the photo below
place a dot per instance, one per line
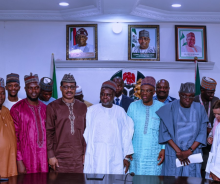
(148, 153)
(183, 129)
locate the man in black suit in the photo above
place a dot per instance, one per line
(121, 99)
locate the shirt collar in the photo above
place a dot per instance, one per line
(120, 97)
(166, 101)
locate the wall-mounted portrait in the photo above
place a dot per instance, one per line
(81, 42)
(190, 43)
(143, 42)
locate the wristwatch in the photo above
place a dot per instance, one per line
(191, 149)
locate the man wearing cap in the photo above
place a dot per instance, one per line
(108, 135)
(12, 86)
(46, 88)
(191, 47)
(207, 99)
(148, 153)
(183, 131)
(144, 40)
(66, 121)
(79, 96)
(82, 46)
(162, 91)
(120, 99)
(29, 117)
(8, 144)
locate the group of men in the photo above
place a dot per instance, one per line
(116, 135)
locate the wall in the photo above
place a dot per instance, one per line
(26, 46)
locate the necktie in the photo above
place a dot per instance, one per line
(117, 101)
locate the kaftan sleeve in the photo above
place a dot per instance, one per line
(164, 135)
(216, 152)
(83, 140)
(16, 118)
(127, 135)
(50, 131)
(202, 135)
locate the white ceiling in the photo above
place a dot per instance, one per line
(112, 10)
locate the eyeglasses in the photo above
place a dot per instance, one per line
(146, 91)
(106, 94)
(188, 97)
(69, 87)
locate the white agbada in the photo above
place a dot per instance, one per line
(108, 136)
(213, 164)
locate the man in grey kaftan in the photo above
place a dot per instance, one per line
(184, 123)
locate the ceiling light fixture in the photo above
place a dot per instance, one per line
(117, 27)
(176, 5)
(64, 4)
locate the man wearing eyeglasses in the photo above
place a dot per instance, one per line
(144, 40)
(183, 130)
(65, 127)
(12, 86)
(207, 99)
(148, 153)
(108, 135)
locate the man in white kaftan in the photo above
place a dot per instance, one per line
(108, 135)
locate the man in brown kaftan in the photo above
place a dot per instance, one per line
(65, 127)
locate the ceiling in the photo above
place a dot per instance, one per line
(112, 10)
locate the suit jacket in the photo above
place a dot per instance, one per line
(125, 102)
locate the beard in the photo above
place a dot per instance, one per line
(12, 95)
(32, 99)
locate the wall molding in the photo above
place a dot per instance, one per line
(133, 64)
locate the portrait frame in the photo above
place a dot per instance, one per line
(76, 52)
(190, 42)
(152, 52)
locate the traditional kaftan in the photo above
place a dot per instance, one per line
(108, 136)
(65, 127)
(184, 126)
(214, 165)
(145, 139)
(8, 144)
(30, 130)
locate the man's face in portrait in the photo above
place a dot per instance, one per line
(207, 94)
(81, 40)
(32, 91)
(144, 42)
(147, 93)
(191, 41)
(12, 88)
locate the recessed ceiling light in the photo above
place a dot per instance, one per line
(176, 5)
(64, 4)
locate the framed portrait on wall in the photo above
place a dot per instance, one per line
(190, 43)
(81, 42)
(143, 42)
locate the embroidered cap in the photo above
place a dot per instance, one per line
(2, 83)
(31, 78)
(187, 87)
(82, 31)
(13, 77)
(148, 80)
(68, 78)
(109, 84)
(208, 83)
(144, 33)
(46, 84)
(78, 91)
(191, 34)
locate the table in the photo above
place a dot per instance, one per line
(74, 178)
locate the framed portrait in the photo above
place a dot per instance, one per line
(143, 42)
(81, 42)
(190, 43)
